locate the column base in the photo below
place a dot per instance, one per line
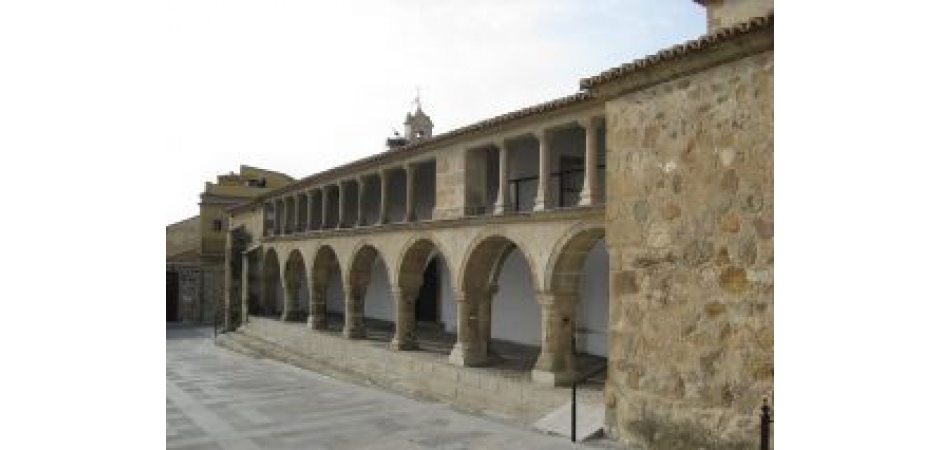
(403, 345)
(293, 316)
(587, 200)
(466, 357)
(354, 333)
(316, 323)
(564, 378)
(539, 206)
(499, 209)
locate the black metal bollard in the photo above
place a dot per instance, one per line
(765, 426)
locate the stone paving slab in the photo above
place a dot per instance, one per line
(217, 399)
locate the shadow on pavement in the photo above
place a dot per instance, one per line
(175, 330)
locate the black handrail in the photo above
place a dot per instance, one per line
(574, 396)
(765, 421)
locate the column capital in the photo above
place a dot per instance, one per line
(590, 122)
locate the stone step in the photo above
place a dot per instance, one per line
(590, 420)
(238, 343)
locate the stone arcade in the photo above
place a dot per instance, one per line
(635, 215)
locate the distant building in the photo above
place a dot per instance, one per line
(195, 247)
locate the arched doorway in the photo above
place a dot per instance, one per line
(297, 298)
(498, 304)
(428, 300)
(368, 282)
(577, 275)
(272, 293)
(327, 302)
(426, 312)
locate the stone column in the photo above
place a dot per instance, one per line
(341, 217)
(228, 286)
(277, 217)
(360, 204)
(409, 193)
(383, 201)
(467, 351)
(502, 196)
(297, 208)
(355, 306)
(556, 363)
(290, 298)
(404, 319)
(485, 311)
(317, 318)
(246, 295)
(282, 218)
(589, 190)
(541, 198)
(324, 205)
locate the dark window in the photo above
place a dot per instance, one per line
(217, 225)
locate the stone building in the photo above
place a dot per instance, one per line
(629, 223)
(195, 246)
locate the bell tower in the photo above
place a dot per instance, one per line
(418, 125)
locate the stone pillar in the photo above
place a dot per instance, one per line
(324, 205)
(341, 217)
(404, 319)
(589, 192)
(541, 198)
(290, 298)
(383, 200)
(355, 307)
(502, 196)
(282, 218)
(246, 291)
(317, 318)
(297, 208)
(277, 217)
(468, 350)
(485, 311)
(556, 363)
(360, 204)
(228, 286)
(409, 193)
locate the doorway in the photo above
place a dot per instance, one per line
(426, 305)
(172, 295)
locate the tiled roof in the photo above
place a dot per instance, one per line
(705, 42)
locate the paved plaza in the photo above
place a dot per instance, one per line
(217, 399)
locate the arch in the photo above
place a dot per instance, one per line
(271, 285)
(366, 258)
(297, 288)
(359, 272)
(482, 264)
(566, 274)
(563, 271)
(327, 292)
(419, 251)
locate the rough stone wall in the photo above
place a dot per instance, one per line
(725, 13)
(200, 286)
(690, 236)
(182, 236)
(449, 184)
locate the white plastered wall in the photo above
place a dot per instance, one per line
(516, 315)
(378, 300)
(334, 294)
(592, 312)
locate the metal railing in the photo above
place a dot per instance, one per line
(765, 421)
(574, 398)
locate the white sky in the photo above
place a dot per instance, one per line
(302, 86)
